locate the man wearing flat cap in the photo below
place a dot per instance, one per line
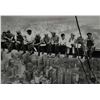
(90, 44)
(19, 40)
(54, 38)
(11, 40)
(54, 42)
(71, 44)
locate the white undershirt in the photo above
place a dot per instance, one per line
(29, 38)
(62, 42)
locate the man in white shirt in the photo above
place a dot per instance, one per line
(71, 43)
(63, 40)
(62, 43)
(28, 38)
(28, 41)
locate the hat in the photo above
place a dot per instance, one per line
(89, 33)
(72, 34)
(53, 32)
(8, 31)
(45, 34)
(29, 30)
(18, 32)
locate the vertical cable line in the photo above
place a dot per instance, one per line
(78, 50)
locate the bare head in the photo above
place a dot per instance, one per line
(18, 33)
(63, 36)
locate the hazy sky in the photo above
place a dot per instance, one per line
(34, 19)
(11, 21)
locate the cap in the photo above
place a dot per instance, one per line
(89, 33)
(29, 30)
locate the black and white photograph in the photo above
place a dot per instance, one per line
(50, 49)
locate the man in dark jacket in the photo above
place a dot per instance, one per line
(54, 43)
(19, 40)
(46, 42)
(90, 44)
(11, 39)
